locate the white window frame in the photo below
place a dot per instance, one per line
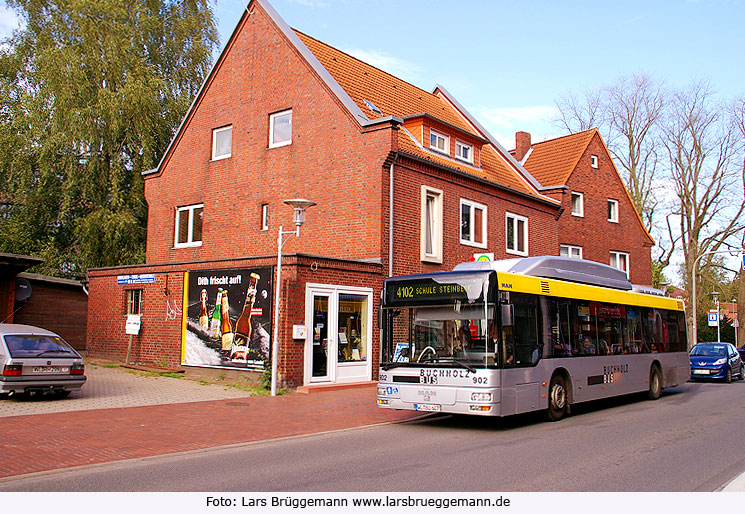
(439, 136)
(134, 301)
(594, 161)
(435, 256)
(272, 118)
(264, 216)
(189, 209)
(215, 133)
(473, 206)
(615, 256)
(581, 212)
(613, 214)
(515, 218)
(569, 249)
(459, 146)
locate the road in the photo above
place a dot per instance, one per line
(689, 440)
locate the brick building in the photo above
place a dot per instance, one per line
(405, 181)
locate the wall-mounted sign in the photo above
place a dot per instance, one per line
(146, 278)
(132, 326)
(227, 318)
(478, 257)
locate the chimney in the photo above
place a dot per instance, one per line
(522, 145)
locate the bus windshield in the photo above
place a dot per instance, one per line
(441, 335)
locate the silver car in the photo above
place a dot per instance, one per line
(34, 360)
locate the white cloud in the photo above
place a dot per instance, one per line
(397, 67)
(503, 122)
(9, 21)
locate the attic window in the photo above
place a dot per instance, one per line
(373, 107)
(594, 161)
(439, 142)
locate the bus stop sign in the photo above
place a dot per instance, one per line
(713, 318)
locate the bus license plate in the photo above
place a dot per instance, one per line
(429, 407)
(700, 371)
(50, 369)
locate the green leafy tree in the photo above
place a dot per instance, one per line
(91, 94)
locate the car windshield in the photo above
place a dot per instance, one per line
(709, 350)
(23, 345)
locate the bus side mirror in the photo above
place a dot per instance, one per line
(507, 314)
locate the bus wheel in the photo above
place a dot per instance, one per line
(557, 398)
(655, 383)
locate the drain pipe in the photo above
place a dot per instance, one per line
(390, 219)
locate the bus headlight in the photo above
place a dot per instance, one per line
(480, 397)
(381, 391)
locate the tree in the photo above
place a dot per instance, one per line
(92, 93)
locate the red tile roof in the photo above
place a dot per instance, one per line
(551, 162)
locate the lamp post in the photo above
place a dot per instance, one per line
(736, 320)
(298, 208)
(716, 301)
(693, 292)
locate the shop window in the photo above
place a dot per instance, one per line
(613, 211)
(620, 260)
(134, 301)
(439, 142)
(431, 225)
(578, 204)
(570, 251)
(189, 226)
(463, 151)
(472, 223)
(353, 345)
(222, 141)
(280, 129)
(517, 234)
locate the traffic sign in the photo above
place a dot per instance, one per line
(713, 318)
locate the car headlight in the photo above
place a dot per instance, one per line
(720, 362)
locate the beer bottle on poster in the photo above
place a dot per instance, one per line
(243, 324)
(225, 326)
(204, 319)
(216, 315)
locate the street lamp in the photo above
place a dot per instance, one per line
(715, 294)
(736, 320)
(299, 205)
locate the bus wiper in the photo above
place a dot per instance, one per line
(392, 365)
(464, 365)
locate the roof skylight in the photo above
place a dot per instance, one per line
(373, 107)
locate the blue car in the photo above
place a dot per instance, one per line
(716, 360)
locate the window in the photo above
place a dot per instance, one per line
(439, 142)
(463, 151)
(189, 226)
(570, 251)
(264, 216)
(134, 301)
(431, 225)
(472, 223)
(594, 161)
(578, 204)
(517, 234)
(620, 260)
(222, 140)
(613, 211)
(280, 129)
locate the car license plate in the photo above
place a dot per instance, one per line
(429, 407)
(51, 369)
(700, 371)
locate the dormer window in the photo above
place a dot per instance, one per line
(439, 142)
(463, 151)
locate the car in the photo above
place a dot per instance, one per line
(741, 351)
(716, 360)
(36, 361)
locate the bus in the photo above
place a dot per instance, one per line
(506, 337)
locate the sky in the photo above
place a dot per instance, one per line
(507, 61)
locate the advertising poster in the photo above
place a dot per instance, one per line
(227, 318)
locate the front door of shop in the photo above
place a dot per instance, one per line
(338, 344)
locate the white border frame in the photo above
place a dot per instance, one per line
(581, 213)
(274, 116)
(472, 205)
(594, 161)
(445, 137)
(569, 250)
(264, 217)
(190, 231)
(516, 217)
(628, 261)
(618, 214)
(437, 235)
(214, 143)
(459, 143)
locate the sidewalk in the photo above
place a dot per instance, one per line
(41, 442)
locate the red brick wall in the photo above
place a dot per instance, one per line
(330, 161)
(593, 232)
(57, 307)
